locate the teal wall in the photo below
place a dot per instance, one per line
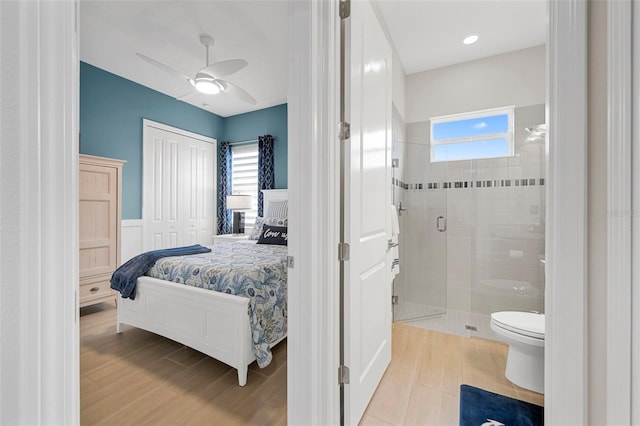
(111, 113)
(268, 121)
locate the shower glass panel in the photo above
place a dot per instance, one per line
(506, 252)
(420, 290)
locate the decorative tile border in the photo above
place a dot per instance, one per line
(467, 184)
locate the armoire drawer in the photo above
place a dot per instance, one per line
(90, 292)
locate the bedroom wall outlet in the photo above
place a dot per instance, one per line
(289, 261)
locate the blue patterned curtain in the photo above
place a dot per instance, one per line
(224, 162)
(265, 167)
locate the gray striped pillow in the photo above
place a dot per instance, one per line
(277, 209)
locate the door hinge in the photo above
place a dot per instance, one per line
(343, 252)
(343, 375)
(289, 261)
(344, 130)
(345, 9)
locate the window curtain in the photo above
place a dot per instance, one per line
(265, 167)
(224, 215)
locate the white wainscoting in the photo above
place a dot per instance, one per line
(131, 242)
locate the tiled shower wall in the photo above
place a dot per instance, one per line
(489, 257)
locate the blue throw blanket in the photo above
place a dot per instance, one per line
(124, 278)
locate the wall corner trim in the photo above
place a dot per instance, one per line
(566, 368)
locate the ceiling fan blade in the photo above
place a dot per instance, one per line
(222, 68)
(164, 67)
(239, 93)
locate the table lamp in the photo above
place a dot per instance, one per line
(237, 203)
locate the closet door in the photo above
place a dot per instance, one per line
(198, 178)
(161, 190)
(178, 187)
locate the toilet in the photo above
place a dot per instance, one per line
(524, 333)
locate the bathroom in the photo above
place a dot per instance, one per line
(471, 231)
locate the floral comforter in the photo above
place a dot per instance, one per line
(255, 271)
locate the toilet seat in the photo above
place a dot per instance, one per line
(523, 323)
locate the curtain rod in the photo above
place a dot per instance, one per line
(248, 141)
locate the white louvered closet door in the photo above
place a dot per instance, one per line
(178, 188)
(198, 191)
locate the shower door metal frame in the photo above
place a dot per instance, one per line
(440, 225)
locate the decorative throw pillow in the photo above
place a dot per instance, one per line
(277, 209)
(273, 235)
(257, 228)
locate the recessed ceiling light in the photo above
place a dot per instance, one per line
(471, 38)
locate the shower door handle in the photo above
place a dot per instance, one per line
(441, 224)
(400, 208)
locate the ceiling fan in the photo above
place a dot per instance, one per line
(208, 80)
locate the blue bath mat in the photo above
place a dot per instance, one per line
(480, 407)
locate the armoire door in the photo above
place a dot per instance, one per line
(179, 179)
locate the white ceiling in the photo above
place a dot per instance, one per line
(427, 34)
(111, 32)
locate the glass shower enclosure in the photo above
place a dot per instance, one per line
(471, 232)
(420, 290)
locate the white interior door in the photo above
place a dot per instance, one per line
(198, 186)
(368, 314)
(178, 187)
(162, 223)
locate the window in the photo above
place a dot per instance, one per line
(244, 178)
(472, 135)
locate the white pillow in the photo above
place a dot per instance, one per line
(277, 209)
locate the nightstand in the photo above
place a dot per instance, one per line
(227, 238)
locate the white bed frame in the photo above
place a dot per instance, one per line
(216, 324)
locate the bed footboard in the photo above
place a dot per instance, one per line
(216, 324)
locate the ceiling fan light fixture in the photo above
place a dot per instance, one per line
(206, 84)
(208, 80)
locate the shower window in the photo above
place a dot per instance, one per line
(472, 135)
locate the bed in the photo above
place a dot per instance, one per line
(215, 323)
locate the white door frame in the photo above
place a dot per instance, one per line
(566, 368)
(635, 248)
(314, 165)
(311, 119)
(620, 363)
(39, 83)
(45, 41)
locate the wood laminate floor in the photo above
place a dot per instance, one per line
(139, 378)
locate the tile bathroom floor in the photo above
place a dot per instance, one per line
(422, 384)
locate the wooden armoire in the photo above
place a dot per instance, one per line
(100, 182)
